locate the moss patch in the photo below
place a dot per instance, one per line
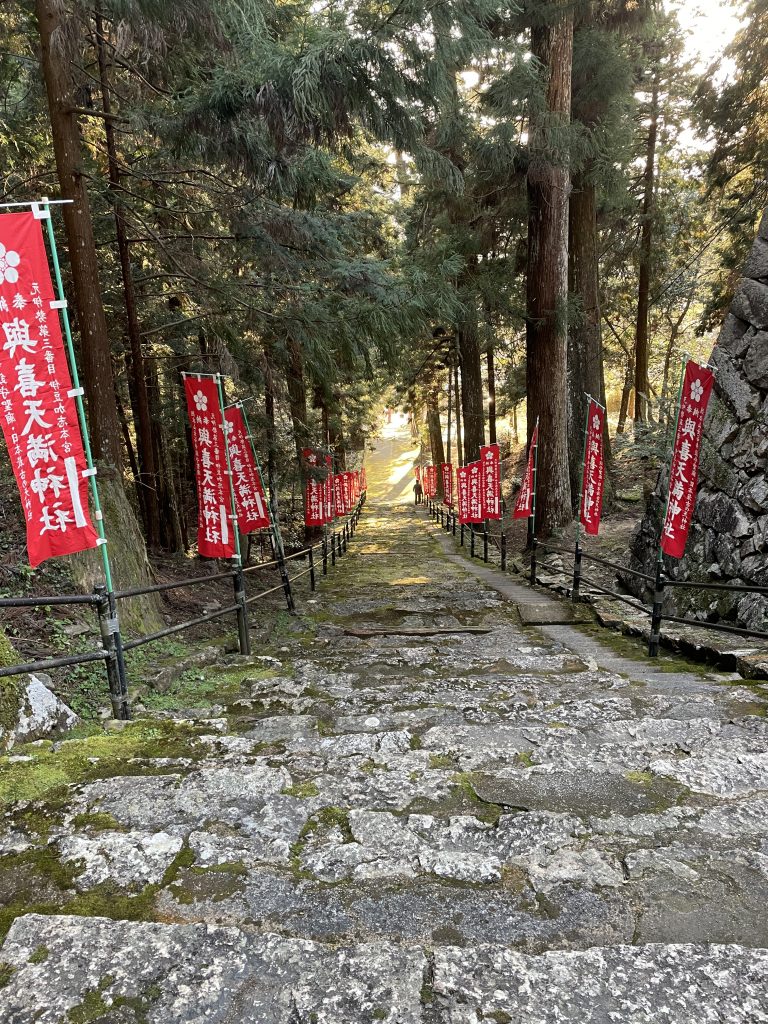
(302, 789)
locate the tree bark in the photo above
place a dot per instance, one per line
(98, 379)
(644, 279)
(434, 427)
(491, 396)
(547, 279)
(471, 384)
(457, 407)
(147, 479)
(585, 343)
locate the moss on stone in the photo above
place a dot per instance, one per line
(6, 973)
(442, 761)
(305, 790)
(39, 955)
(99, 821)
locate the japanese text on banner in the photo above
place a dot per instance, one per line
(446, 470)
(462, 489)
(314, 489)
(39, 414)
(215, 537)
(524, 502)
(490, 470)
(475, 493)
(684, 471)
(250, 500)
(593, 478)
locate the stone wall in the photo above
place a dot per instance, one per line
(728, 540)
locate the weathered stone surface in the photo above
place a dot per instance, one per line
(756, 360)
(750, 303)
(128, 859)
(41, 713)
(176, 974)
(654, 984)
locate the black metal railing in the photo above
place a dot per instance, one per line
(468, 534)
(113, 647)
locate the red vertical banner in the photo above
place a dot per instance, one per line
(462, 492)
(594, 470)
(357, 483)
(328, 490)
(346, 485)
(363, 479)
(446, 470)
(475, 493)
(490, 477)
(417, 472)
(432, 479)
(338, 494)
(684, 471)
(250, 500)
(314, 492)
(524, 503)
(37, 403)
(215, 538)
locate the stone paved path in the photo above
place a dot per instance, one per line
(521, 825)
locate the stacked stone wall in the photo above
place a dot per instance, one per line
(728, 541)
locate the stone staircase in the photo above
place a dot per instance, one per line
(444, 828)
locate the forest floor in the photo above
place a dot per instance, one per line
(407, 806)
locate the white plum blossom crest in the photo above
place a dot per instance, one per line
(696, 390)
(9, 261)
(201, 401)
(596, 422)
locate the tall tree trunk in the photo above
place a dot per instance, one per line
(491, 396)
(435, 430)
(126, 542)
(547, 279)
(644, 280)
(585, 345)
(98, 379)
(471, 384)
(626, 394)
(147, 480)
(297, 400)
(457, 407)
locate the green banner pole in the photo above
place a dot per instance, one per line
(233, 506)
(44, 213)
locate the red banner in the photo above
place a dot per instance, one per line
(684, 471)
(363, 479)
(338, 494)
(490, 476)
(314, 491)
(215, 538)
(250, 500)
(356, 482)
(430, 481)
(524, 504)
(462, 492)
(38, 411)
(475, 493)
(346, 486)
(594, 470)
(328, 490)
(417, 472)
(446, 470)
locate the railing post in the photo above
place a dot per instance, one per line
(503, 546)
(656, 616)
(325, 556)
(576, 574)
(109, 627)
(346, 537)
(285, 579)
(311, 569)
(461, 542)
(485, 540)
(471, 540)
(243, 639)
(454, 524)
(534, 546)
(333, 548)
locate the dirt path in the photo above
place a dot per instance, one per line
(514, 825)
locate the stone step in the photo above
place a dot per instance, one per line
(94, 969)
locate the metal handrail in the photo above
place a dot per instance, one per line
(40, 602)
(129, 645)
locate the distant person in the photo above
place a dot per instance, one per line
(388, 411)
(418, 491)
